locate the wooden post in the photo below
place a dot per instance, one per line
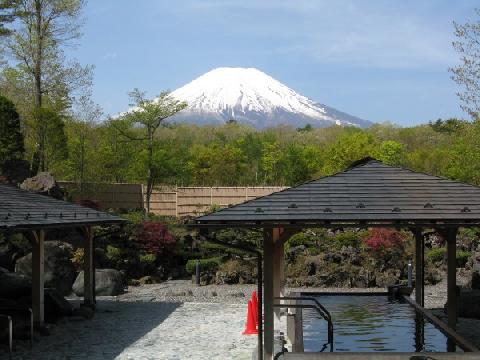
(278, 268)
(419, 268)
(176, 201)
(451, 239)
(88, 269)
(268, 293)
(38, 281)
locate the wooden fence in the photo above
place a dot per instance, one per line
(168, 201)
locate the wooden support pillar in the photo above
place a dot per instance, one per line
(268, 293)
(278, 268)
(88, 269)
(38, 281)
(450, 236)
(419, 267)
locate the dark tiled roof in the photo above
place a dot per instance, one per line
(21, 210)
(364, 194)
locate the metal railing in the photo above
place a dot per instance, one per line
(317, 306)
(10, 333)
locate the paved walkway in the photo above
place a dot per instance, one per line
(141, 331)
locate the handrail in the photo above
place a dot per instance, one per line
(326, 313)
(316, 306)
(10, 333)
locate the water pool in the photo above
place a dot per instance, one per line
(371, 323)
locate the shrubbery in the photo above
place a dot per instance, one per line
(382, 239)
(436, 255)
(440, 254)
(462, 257)
(210, 264)
(154, 237)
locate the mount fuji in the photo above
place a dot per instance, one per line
(250, 96)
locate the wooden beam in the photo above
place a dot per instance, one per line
(38, 280)
(268, 293)
(419, 268)
(451, 239)
(88, 269)
(278, 269)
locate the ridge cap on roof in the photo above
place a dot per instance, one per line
(363, 161)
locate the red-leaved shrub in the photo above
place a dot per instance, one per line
(92, 204)
(380, 239)
(153, 237)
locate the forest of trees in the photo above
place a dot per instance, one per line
(234, 154)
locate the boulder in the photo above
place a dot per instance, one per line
(475, 280)
(60, 272)
(43, 183)
(468, 304)
(108, 282)
(56, 306)
(14, 285)
(7, 254)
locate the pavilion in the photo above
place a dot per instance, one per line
(367, 194)
(34, 215)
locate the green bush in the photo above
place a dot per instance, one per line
(148, 258)
(440, 254)
(437, 254)
(113, 253)
(205, 264)
(300, 239)
(347, 238)
(462, 257)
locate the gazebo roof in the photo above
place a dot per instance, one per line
(24, 210)
(369, 193)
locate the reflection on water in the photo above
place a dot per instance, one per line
(371, 323)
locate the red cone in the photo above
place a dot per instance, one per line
(255, 306)
(250, 327)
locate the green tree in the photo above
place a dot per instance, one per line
(50, 130)
(467, 74)
(148, 116)
(390, 152)
(7, 15)
(11, 137)
(43, 28)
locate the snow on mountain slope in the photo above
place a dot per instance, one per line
(251, 96)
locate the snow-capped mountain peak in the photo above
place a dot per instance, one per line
(250, 96)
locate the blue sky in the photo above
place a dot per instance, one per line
(379, 60)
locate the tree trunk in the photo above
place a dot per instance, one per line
(150, 176)
(38, 82)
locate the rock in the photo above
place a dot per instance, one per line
(293, 252)
(14, 285)
(475, 280)
(468, 304)
(43, 183)
(332, 257)
(56, 306)
(433, 276)
(108, 282)
(60, 272)
(387, 278)
(6, 256)
(206, 278)
(147, 280)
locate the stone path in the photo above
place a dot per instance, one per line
(154, 330)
